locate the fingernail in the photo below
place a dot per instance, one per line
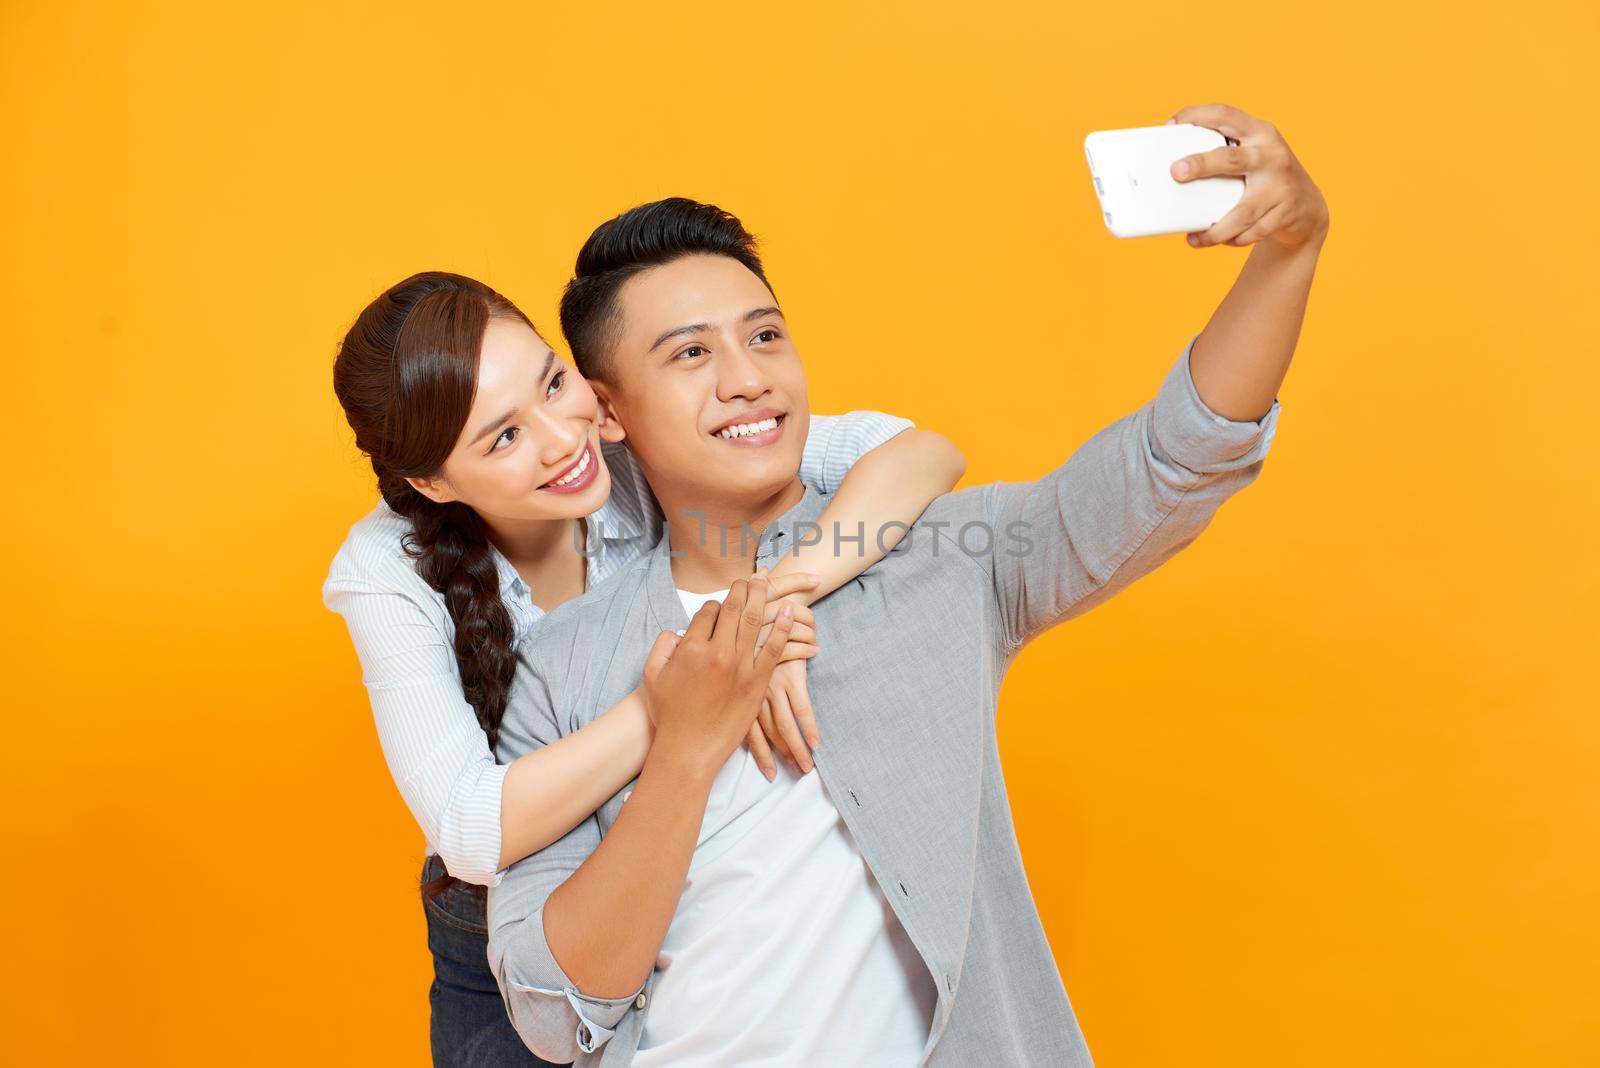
(1182, 168)
(788, 610)
(813, 741)
(1171, 122)
(807, 766)
(1194, 242)
(769, 773)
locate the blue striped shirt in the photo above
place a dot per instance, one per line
(403, 635)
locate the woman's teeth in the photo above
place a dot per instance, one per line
(576, 473)
(740, 430)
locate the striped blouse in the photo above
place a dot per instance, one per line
(403, 635)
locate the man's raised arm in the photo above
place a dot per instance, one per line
(1147, 485)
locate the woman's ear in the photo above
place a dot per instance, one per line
(610, 426)
(434, 489)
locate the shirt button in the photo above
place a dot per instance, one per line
(639, 1002)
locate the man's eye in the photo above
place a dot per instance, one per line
(556, 382)
(507, 436)
(691, 352)
(767, 336)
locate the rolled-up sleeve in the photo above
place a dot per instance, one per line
(554, 1018)
(836, 442)
(1128, 499)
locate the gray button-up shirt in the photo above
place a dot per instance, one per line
(904, 690)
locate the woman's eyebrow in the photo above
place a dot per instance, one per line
(489, 428)
(760, 313)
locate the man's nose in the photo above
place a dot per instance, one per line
(740, 375)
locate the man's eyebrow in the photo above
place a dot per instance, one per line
(695, 328)
(490, 428)
(688, 328)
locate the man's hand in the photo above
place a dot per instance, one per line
(704, 689)
(1280, 200)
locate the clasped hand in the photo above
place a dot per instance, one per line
(739, 664)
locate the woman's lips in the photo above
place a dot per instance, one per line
(587, 464)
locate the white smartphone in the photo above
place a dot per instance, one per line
(1132, 172)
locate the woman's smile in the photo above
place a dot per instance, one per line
(577, 475)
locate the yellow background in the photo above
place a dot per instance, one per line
(1322, 792)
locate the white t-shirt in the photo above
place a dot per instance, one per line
(783, 950)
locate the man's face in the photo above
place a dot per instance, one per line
(707, 385)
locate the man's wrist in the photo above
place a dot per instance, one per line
(685, 763)
(1310, 248)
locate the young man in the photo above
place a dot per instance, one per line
(874, 913)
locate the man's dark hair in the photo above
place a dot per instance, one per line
(635, 241)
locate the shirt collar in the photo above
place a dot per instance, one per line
(778, 537)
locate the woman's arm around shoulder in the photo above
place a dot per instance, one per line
(481, 816)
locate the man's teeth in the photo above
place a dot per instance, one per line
(577, 472)
(739, 430)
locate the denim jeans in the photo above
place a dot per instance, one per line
(468, 1025)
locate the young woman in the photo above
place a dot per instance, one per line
(499, 503)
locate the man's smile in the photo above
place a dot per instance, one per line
(753, 429)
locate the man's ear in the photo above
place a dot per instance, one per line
(611, 428)
(434, 489)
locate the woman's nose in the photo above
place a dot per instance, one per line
(559, 437)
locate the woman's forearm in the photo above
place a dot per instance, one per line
(549, 790)
(884, 493)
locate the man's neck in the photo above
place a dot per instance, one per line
(714, 543)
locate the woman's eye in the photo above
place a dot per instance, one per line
(507, 436)
(691, 352)
(556, 381)
(767, 336)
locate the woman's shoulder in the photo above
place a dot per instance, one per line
(374, 557)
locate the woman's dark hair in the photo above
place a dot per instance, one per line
(406, 374)
(635, 241)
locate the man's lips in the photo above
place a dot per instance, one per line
(582, 471)
(752, 429)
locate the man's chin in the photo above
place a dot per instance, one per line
(723, 489)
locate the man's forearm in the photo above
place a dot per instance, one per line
(1239, 361)
(606, 923)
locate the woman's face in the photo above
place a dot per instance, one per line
(531, 446)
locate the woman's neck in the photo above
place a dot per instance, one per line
(547, 553)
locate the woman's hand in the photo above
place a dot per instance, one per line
(1280, 199)
(792, 588)
(785, 724)
(786, 711)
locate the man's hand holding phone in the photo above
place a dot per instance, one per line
(1280, 200)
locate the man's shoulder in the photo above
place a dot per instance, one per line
(958, 506)
(552, 681)
(948, 529)
(576, 622)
